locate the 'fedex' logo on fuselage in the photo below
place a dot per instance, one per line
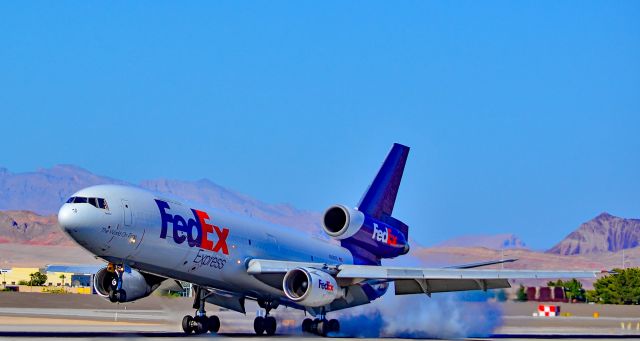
(185, 229)
(325, 285)
(383, 235)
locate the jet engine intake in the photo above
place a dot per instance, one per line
(341, 222)
(311, 287)
(124, 286)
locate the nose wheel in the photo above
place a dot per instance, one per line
(200, 323)
(116, 293)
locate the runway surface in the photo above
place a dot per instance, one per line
(28, 316)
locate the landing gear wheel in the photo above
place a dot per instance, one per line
(258, 325)
(113, 296)
(201, 325)
(270, 325)
(306, 325)
(117, 296)
(213, 324)
(334, 326)
(322, 327)
(187, 321)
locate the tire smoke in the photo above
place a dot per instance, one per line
(446, 315)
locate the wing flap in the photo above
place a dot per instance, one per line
(267, 266)
(385, 272)
(429, 286)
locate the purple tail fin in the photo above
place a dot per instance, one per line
(379, 199)
(381, 235)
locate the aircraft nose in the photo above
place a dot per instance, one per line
(68, 217)
(77, 217)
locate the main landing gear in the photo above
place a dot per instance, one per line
(200, 323)
(320, 326)
(266, 324)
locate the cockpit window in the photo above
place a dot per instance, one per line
(95, 202)
(102, 204)
(80, 200)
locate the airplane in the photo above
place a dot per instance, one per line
(146, 238)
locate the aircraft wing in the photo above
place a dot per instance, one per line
(417, 280)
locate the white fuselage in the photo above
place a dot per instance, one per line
(130, 231)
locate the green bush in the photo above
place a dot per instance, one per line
(572, 289)
(521, 294)
(621, 287)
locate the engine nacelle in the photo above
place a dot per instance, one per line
(369, 239)
(133, 286)
(311, 287)
(341, 222)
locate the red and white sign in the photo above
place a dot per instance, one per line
(548, 310)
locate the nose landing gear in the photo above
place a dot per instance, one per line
(116, 294)
(267, 324)
(200, 323)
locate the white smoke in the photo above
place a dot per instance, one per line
(447, 315)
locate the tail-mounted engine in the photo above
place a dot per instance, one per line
(370, 232)
(311, 287)
(360, 233)
(123, 284)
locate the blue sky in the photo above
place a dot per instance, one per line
(522, 116)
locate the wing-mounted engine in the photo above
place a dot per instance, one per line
(311, 287)
(126, 285)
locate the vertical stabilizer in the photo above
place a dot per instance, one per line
(379, 199)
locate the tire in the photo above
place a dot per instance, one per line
(113, 296)
(306, 325)
(186, 324)
(333, 326)
(121, 295)
(270, 325)
(213, 324)
(258, 325)
(201, 324)
(322, 328)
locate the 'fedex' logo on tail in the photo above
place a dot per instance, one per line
(383, 235)
(325, 285)
(184, 229)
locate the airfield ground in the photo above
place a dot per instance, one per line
(35, 315)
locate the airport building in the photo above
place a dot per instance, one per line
(76, 279)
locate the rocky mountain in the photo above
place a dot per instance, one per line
(24, 227)
(600, 234)
(494, 242)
